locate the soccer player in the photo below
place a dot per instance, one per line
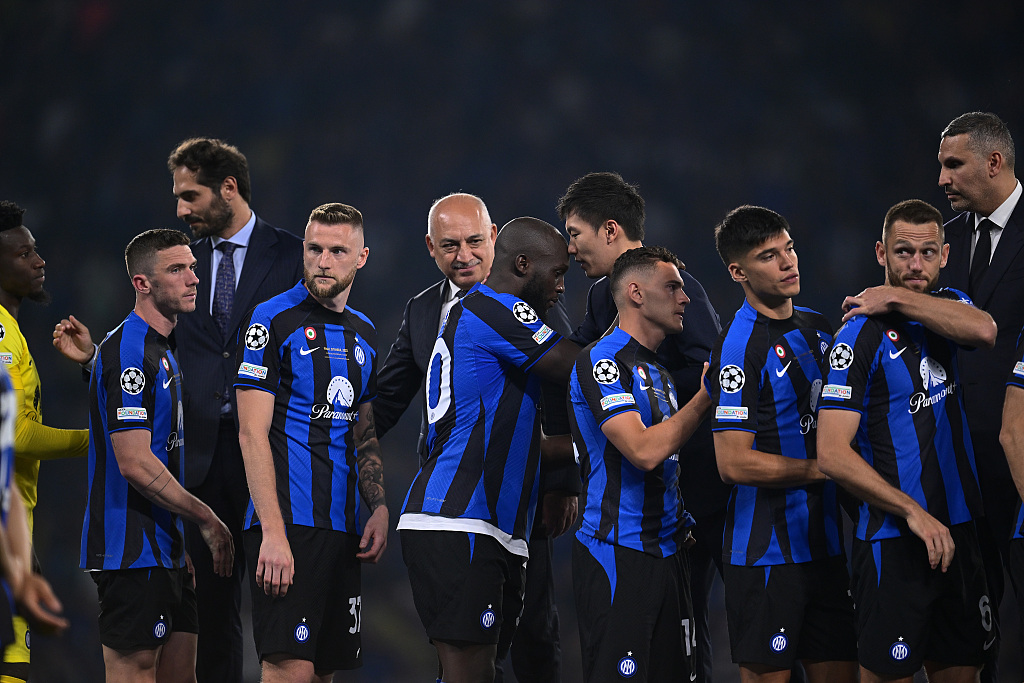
(468, 514)
(307, 373)
(604, 217)
(22, 276)
(1011, 436)
(892, 431)
(132, 542)
(786, 583)
(630, 576)
(460, 238)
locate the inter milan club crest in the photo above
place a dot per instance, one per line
(899, 650)
(360, 356)
(606, 371)
(160, 628)
(256, 337)
(523, 313)
(301, 631)
(133, 381)
(487, 618)
(731, 379)
(627, 666)
(779, 641)
(841, 357)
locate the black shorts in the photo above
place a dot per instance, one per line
(467, 587)
(788, 612)
(141, 608)
(634, 612)
(319, 619)
(909, 613)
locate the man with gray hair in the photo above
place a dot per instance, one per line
(986, 260)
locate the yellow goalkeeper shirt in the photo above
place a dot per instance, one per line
(33, 441)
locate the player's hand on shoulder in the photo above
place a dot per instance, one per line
(375, 536)
(275, 569)
(871, 301)
(40, 606)
(936, 537)
(73, 340)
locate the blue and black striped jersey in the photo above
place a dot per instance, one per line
(902, 378)
(8, 416)
(622, 504)
(483, 415)
(765, 378)
(320, 365)
(1016, 379)
(135, 384)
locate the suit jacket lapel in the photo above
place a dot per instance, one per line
(958, 235)
(259, 258)
(203, 250)
(1011, 241)
(430, 321)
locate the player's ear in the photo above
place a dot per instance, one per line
(736, 273)
(635, 293)
(880, 253)
(141, 283)
(945, 255)
(522, 265)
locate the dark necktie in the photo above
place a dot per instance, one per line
(982, 255)
(224, 288)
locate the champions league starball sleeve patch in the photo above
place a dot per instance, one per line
(841, 356)
(256, 337)
(606, 371)
(133, 381)
(731, 379)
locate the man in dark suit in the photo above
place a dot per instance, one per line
(241, 261)
(604, 217)
(460, 239)
(986, 260)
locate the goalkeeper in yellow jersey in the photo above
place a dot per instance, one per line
(22, 277)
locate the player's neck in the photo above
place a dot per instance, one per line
(650, 336)
(776, 308)
(159, 320)
(336, 304)
(10, 302)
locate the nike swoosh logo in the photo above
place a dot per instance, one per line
(989, 644)
(644, 387)
(306, 352)
(780, 373)
(896, 355)
(168, 382)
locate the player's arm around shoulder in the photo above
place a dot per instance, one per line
(276, 566)
(371, 485)
(948, 312)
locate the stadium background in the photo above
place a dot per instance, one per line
(826, 112)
